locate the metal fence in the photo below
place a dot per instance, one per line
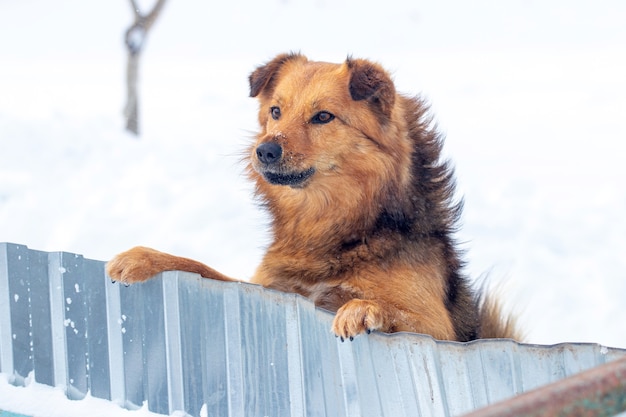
(180, 342)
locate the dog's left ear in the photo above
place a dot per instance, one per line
(369, 81)
(264, 77)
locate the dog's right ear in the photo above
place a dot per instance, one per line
(264, 77)
(369, 81)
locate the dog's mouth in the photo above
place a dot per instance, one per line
(293, 179)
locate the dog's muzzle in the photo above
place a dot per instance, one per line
(269, 155)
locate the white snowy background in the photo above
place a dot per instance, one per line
(531, 95)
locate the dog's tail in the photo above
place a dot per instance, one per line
(494, 323)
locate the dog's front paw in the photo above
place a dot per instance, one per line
(356, 317)
(135, 265)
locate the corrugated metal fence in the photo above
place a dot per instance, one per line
(179, 342)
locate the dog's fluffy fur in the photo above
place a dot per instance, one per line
(361, 204)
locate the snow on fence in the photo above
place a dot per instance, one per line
(179, 342)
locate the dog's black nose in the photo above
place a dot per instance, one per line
(269, 152)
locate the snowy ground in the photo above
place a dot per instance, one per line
(38, 400)
(531, 95)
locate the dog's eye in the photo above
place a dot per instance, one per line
(275, 112)
(322, 117)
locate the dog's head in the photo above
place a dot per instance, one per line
(318, 119)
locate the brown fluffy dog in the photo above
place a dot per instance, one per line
(361, 205)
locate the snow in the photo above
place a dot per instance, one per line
(52, 402)
(531, 96)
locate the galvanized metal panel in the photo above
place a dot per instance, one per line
(179, 342)
(18, 288)
(94, 295)
(41, 320)
(6, 344)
